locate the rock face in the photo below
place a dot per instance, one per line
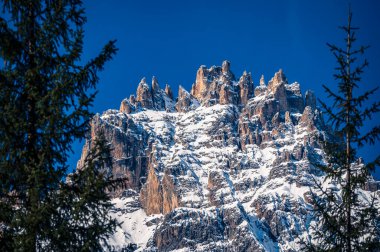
(227, 167)
(159, 196)
(168, 91)
(246, 88)
(217, 85)
(310, 99)
(185, 101)
(144, 95)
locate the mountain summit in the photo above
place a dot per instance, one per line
(224, 167)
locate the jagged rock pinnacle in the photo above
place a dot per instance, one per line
(184, 100)
(262, 80)
(168, 91)
(310, 99)
(132, 99)
(143, 95)
(155, 85)
(246, 88)
(143, 80)
(226, 66)
(278, 79)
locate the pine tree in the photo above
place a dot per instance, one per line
(82, 222)
(347, 217)
(45, 96)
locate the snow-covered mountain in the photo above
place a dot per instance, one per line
(226, 167)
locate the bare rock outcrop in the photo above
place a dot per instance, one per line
(185, 101)
(159, 195)
(246, 88)
(158, 95)
(214, 85)
(144, 95)
(278, 79)
(151, 194)
(168, 91)
(190, 228)
(310, 99)
(262, 88)
(128, 150)
(308, 118)
(227, 95)
(127, 106)
(295, 100)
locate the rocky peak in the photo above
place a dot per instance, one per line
(155, 85)
(132, 99)
(295, 99)
(144, 95)
(279, 100)
(307, 118)
(288, 95)
(126, 106)
(278, 79)
(217, 85)
(159, 96)
(142, 85)
(262, 80)
(168, 91)
(149, 98)
(262, 88)
(246, 88)
(310, 99)
(226, 67)
(211, 83)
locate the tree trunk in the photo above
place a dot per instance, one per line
(348, 135)
(33, 174)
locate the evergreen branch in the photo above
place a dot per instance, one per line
(361, 50)
(10, 46)
(336, 120)
(358, 101)
(330, 93)
(334, 48)
(323, 192)
(368, 112)
(370, 137)
(371, 166)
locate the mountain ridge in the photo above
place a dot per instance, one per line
(224, 167)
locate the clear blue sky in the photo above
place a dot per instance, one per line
(171, 39)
